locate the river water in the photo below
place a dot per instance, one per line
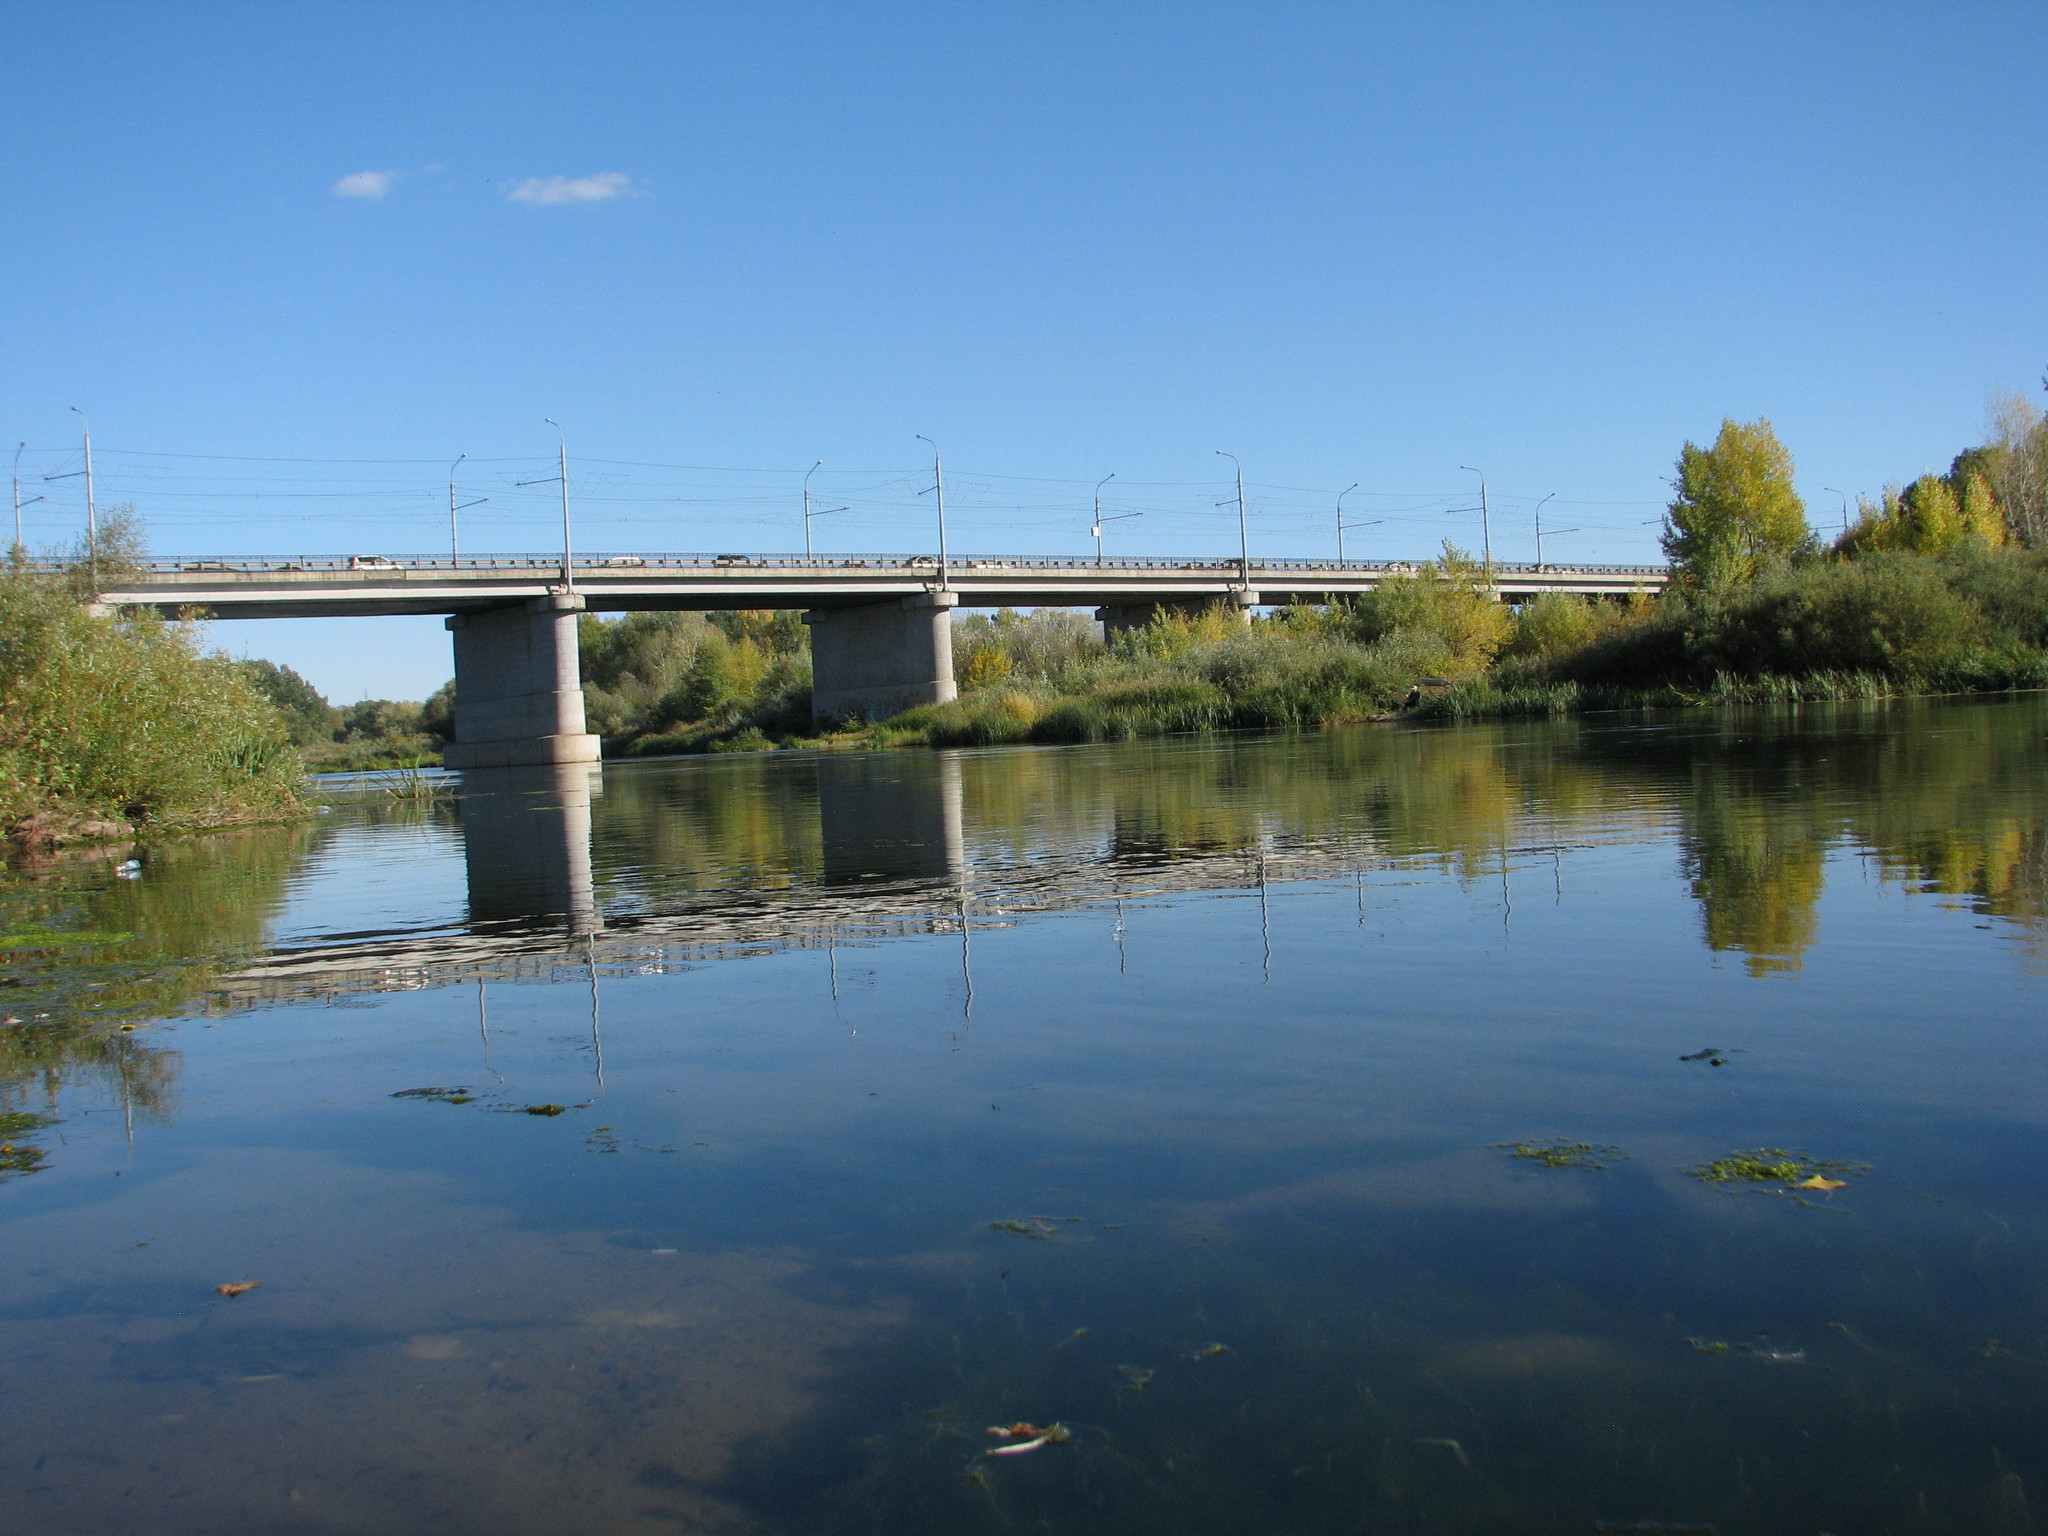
(728, 1144)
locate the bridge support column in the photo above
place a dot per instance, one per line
(882, 659)
(1119, 617)
(518, 693)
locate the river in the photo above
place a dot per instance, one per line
(1328, 1133)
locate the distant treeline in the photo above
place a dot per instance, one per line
(1937, 585)
(374, 733)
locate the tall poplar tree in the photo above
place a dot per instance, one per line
(1735, 510)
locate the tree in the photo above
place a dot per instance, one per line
(1933, 514)
(2017, 467)
(308, 715)
(1736, 511)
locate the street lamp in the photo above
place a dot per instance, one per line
(568, 571)
(1244, 542)
(939, 489)
(1845, 507)
(454, 543)
(1485, 519)
(1115, 517)
(1539, 529)
(1340, 517)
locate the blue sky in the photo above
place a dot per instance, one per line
(718, 243)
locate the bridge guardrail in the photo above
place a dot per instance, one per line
(600, 563)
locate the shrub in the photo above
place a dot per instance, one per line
(126, 715)
(1446, 613)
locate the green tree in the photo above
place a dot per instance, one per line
(308, 714)
(1735, 511)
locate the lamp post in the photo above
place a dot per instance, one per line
(1343, 528)
(1845, 507)
(1340, 518)
(1485, 519)
(807, 505)
(92, 526)
(562, 474)
(1115, 517)
(939, 488)
(1539, 530)
(454, 540)
(16, 551)
(1244, 542)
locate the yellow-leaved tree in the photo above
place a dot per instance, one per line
(1735, 510)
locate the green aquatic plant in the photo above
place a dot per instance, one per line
(38, 937)
(1772, 1165)
(1557, 1152)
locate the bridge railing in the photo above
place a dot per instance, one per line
(600, 563)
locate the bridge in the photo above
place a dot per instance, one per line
(881, 630)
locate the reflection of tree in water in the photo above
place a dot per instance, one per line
(95, 952)
(1948, 798)
(1758, 883)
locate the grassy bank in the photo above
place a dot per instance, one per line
(111, 721)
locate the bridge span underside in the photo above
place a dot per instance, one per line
(881, 625)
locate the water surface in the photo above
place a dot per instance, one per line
(1162, 1090)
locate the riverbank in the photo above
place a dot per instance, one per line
(113, 725)
(1435, 646)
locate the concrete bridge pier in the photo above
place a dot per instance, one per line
(882, 658)
(518, 691)
(1119, 617)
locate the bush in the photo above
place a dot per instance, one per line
(1446, 613)
(1892, 615)
(124, 715)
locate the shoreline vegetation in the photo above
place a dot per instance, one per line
(114, 724)
(118, 724)
(1936, 587)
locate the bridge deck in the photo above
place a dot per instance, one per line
(376, 585)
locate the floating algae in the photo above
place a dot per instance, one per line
(1772, 1165)
(1560, 1153)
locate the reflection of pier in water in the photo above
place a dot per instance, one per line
(895, 861)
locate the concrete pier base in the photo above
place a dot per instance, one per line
(1117, 617)
(518, 694)
(882, 658)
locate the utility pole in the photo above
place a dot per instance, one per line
(1340, 518)
(455, 543)
(1244, 542)
(92, 519)
(939, 486)
(1115, 517)
(1539, 530)
(568, 570)
(1485, 519)
(1845, 507)
(16, 552)
(807, 505)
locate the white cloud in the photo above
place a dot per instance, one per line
(365, 183)
(544, 191)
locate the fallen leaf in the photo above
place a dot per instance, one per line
(235, 1288)
(1821, 1181)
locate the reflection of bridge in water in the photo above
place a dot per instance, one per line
(893, 860)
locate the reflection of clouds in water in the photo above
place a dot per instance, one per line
(522, 1380)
